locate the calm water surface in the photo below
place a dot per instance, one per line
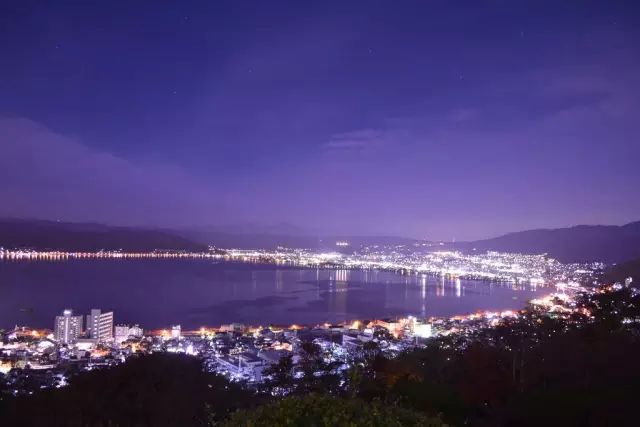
(158, 293)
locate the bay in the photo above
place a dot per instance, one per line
(157, 293)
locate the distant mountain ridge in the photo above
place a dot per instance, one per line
(581, 243)
(266, 240)
(64, 236)
(282, 229)
(54, 235)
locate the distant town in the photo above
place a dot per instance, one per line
(406, 259)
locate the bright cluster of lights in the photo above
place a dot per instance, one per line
(536, 270)
(59, 255)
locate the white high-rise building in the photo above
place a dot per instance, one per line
(176, 332)
(136, 331)
(100, 325)
(67, 327)
(121, 333)
(124, 332)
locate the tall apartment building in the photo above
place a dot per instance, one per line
(176, 332)
(124, 332)
(67, 327)
(136, 331)
(100, 325)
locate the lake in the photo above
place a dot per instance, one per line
(157, 293)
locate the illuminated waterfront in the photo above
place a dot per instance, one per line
(406, 259)
(241, 311)
(197, 292)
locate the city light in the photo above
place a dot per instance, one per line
(242, 352)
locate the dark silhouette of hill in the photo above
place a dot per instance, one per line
(582, 243)
(41, 234)
(50, 235)
(223, 239)
(265, 240)
(619, 272)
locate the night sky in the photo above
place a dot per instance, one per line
(434, 119)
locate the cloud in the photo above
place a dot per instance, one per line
(48, 175)
(356, 141)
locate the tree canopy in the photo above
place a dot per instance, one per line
(324, 411)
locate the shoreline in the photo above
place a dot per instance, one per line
(296, 260)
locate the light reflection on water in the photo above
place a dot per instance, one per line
(156, 293)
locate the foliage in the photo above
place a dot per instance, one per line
(279, 376)
(324, 411)
(619, 272)
(533, 370)
(154, 390)
(318, 374)
(610, 309)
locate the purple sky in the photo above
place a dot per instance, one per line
(426, 119)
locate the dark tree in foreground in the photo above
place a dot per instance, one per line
(530, 371)
(318, 375)
(155, 390)
(324, 411)
(3, 388)
(610, 309)
(279, 376)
